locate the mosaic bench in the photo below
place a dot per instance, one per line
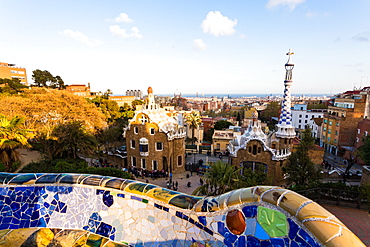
(93, 210)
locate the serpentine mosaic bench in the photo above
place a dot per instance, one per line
(93, 210)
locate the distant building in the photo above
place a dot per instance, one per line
(79, 90)
(137, 93)
(155, 141)
(301, 116)
(221, 139)
(10, 71)
(122, 100)
(341, 121)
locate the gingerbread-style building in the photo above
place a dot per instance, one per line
(155, 141)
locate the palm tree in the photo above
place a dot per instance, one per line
(12, 136)
(221, 177)
(193, 120)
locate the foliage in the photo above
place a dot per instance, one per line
(300, 170)
(193, 120)
(207, 136)
(12, 136)
(317, 106)
(46, 79)
(364, 150)
(272, 110)
(68, 139)
(135, 103)
(109, 108)
(218, 179)
(11, 86)
(253, 178)
(222, 124)
(45, 108)
(72, 166)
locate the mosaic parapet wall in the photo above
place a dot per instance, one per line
(92, 210)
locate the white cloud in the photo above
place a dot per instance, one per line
(80, 37)
(362, 37)
(123, 17)
(116, 30)
(218, 25)
(199, 44)
(290, 3)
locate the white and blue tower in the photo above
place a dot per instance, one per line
(285, 128)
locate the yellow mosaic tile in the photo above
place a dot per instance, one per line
(346, 239)
(246, 195)
(292, 201)
(273, 196)
(161, 194)
(315, 210)
(323, 230)
(234, 199)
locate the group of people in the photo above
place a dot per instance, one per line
(143, 173)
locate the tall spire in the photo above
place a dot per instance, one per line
(285, 127)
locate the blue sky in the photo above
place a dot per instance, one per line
(210, 47)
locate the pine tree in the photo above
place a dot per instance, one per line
(300, 170)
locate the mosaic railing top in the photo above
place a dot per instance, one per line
(329, 230)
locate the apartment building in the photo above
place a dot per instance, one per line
(10, 71)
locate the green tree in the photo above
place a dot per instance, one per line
(12, 136)
(11, 86)
(43, 78)
(300, 170)
(364, 150)
(72, 138)
(272, 110)
(253, 178)
(222, 124)
(221, 177)
(193, 120)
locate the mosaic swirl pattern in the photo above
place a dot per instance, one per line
(94, 210)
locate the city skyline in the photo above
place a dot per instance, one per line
(210, 47)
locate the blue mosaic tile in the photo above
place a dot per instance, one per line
(251, 226)
(253, 242)
(293, 229)
(304, 235)
(250, 211)
(121, 195)
(207, 230)
(100, 192)
(261, 233)
(136, 198)
(165, 209)
(202, 220)
(277, 242)
(158, 206)
(266, 244)
(240, 242)
(107, 198)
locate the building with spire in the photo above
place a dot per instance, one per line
(258, 150)
(154, 140)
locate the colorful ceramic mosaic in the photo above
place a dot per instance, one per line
(94, 210)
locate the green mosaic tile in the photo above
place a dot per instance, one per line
(273, 222)
(145, 201)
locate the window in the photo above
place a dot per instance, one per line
(133, 161)
(324, 129)
(335, 140)
(329, 131)
(136, 130)
(154, 165)
(305, 121)
(323, 137)
(328, 138)
(152, 131)
(21, 72)
(336, 132)
(143, 163)
(158, 146)
(300, 116)
(325, 120)
(365, 133)
(13, 71)
(358, 131)
(218, 146)
(330, 123)
(357, 139)
(299, 126)
(306, 116)
(179, 160)
(337, 124)
(299, 121)
(254, 149)
(133, 144)
(143, 147)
